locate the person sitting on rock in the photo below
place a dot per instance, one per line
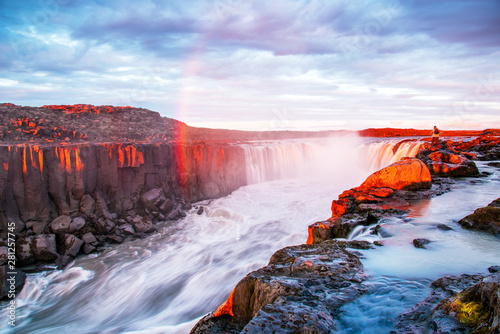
(435, 137)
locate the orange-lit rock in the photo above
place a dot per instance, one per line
(318, 232)
(408, 173)
(445, 163)
(339, 207)
(226, 307)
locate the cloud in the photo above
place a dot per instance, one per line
(251, 62)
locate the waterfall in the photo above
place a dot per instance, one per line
(275, 161)
(381, 154)
(267, 161)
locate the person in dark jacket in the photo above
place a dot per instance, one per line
(435, 137)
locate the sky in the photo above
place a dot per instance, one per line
(260, 64)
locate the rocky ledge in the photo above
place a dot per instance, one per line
(299, 291)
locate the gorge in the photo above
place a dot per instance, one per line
(219, 209)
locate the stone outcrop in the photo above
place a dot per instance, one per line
(463, 304)
(445, 163)
(485, 147)
(408, 173)
(484, 219)
(306, 285)
(384, 192)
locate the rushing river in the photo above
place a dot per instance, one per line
(166, 282)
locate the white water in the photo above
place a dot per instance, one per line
(381, 153)
(164, 283)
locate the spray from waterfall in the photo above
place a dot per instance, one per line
(268, 161)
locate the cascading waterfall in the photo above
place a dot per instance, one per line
(383, 153)
(271, 161)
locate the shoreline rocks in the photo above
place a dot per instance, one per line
(457, 304)
(485, 219)
(305, 285)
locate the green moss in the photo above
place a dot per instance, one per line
(470, 313)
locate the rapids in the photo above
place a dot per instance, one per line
(166, 282)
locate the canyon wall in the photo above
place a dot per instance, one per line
(41, 182)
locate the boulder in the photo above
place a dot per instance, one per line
(87, 249)
(87, 205)
(104, 226)
(126, 229)
(421, 243)
(166, 206)
(60, 225)
(39, 227)
(24, 253)
(115, 238)
(89, 238)
(44, 247)
(73, 245)
(151, 198)
(484, 219)
(76, 224)
(407, 173)
(142, 225)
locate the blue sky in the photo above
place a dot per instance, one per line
(261, 65)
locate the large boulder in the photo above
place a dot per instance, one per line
(89, 238)
(44, 247)
(151, 198)
(142, 225)
(60, 225)
(76, 224)
(407, 173)
(484, 219)
(73, 245)
(104, 226)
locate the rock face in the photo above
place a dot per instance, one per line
(80, 188)
(463, 304)
(306, 285)
(484, 219)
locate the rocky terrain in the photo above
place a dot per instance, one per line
(293, 294)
